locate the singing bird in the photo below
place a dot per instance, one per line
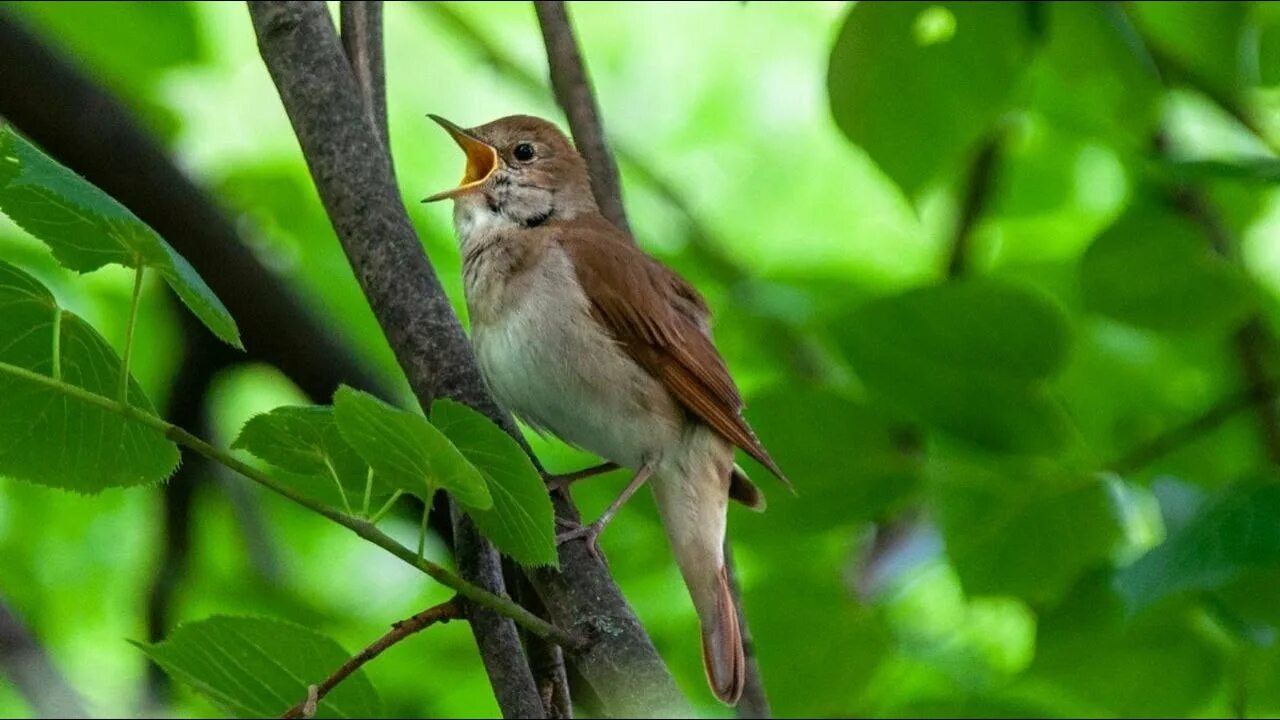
(581, 334)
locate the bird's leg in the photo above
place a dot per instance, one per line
(592, 532)
(562, 482)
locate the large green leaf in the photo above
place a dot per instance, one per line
(972, 357)
(87, 229)
(1157, 269)
(521, 522)
(916, 84)
(49, 438)
(1018, 531)
(406, 451)
(256, 667)
(1237, 531)
(306, 443)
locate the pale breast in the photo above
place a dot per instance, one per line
(549, 362)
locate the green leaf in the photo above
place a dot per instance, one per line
(1011, 530)
(87, 229)
(49, 438)
(406, 451)
(1095, 75)
(257, 667)
(1157, 269)
(916, 84)
(972, 357)
(1238, 530)
(1097, 662)
(306, 442)
(521, 522)
(1202, 40)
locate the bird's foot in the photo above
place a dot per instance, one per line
(562, 482)
(576, 530)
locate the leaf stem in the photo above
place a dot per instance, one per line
(128, 337)
(368, 494)
(363, 528)
(57, 343)
(333, 473)
(386, 507)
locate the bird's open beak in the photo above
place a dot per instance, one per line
(482, 160)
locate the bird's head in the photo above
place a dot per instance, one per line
(521, 167)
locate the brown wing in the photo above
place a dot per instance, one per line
(663, 323)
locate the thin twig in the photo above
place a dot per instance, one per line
(978, 191)
(442, 613)
(1195, 428)
(573, 91)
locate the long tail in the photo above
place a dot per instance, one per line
(692, 498)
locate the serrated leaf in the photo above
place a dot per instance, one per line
(521, 522)
(916, 84)
(306, 443)
(87, 229)
(49, 438)
(256, 667)
(1157, 269)
(1236, 531)
(972, 357)
(406, 451)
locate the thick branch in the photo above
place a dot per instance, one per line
(573, 92)
(478, 561)
(31, 671)
(442, 613)
(353, 176)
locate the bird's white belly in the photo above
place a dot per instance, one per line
(548, 361)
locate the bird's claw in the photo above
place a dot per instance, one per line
(576, 530)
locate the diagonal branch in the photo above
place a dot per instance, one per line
(352, 173)
(442, 613)
(478, 561)
(573, 92)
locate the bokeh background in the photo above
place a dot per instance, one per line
(1032, 481)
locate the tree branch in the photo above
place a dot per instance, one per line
(352, 174)
(442, 613)
(478, 562)
(573, 91)
(754, 703)
(31, 671)
(978, 190)
(1186, 433)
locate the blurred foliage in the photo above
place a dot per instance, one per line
(968, 538)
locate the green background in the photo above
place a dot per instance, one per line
(823, 149)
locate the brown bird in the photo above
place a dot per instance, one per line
(581, 334)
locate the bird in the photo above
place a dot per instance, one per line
(581, 334)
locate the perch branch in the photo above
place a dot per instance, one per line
(478, 561)
(352, 174)
(573, 91)
(442, 613)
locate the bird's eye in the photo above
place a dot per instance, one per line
(523, 152)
